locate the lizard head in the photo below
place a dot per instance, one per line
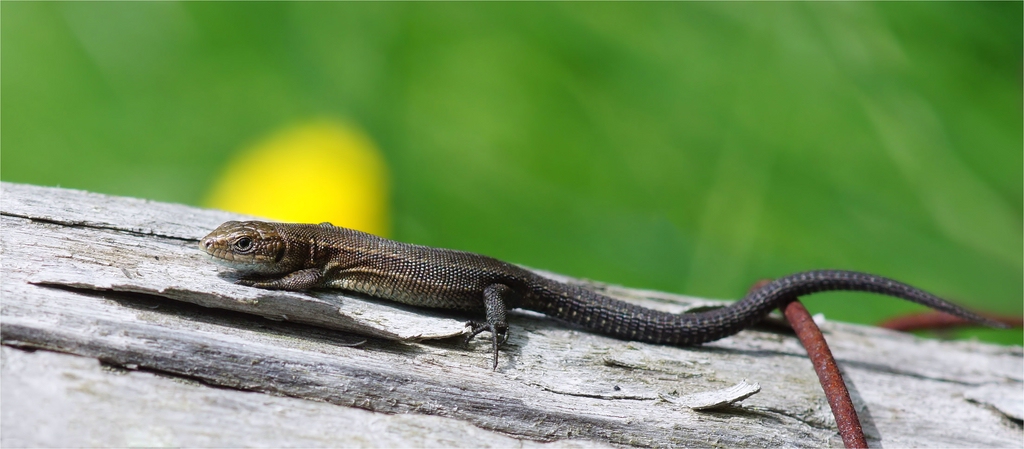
(251, 246)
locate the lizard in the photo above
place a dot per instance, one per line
(287, 256)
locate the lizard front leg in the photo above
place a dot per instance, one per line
(496, 324)
(296, 280)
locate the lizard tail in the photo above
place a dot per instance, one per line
(788, 288)
(628, 321)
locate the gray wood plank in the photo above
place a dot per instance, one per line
(122, 280)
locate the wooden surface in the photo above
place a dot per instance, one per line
(118, 330)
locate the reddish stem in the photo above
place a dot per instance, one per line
(828, 374)
(939, 320)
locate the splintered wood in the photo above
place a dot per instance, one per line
(139, 339)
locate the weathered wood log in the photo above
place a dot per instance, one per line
(122, 281)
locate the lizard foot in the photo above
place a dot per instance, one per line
(499, 335)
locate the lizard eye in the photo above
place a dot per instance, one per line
(243, 244)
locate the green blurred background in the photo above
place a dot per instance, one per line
(686, 147)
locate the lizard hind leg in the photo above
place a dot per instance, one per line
(496, 324)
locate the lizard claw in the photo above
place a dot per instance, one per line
(497, 333)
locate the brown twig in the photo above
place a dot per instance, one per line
(933, 320)
(828, 374)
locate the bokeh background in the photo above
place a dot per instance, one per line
(686, 147)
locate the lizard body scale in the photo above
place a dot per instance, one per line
(303, 256)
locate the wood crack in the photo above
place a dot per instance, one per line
(100, 281)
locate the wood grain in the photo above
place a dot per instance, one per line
(122, 281)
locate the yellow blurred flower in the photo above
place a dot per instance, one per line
(311, 173)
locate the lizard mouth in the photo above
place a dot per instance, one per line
(243, 263)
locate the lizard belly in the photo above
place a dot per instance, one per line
(420, 294)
